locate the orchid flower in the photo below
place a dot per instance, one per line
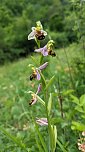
(33, 100)
(34, 96)
(36, 71)
(47, 49)
(42, 121)
(37, 32)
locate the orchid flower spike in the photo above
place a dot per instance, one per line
(34, 96)
(47, 49)
(36, 71)
(37, 32)
(42, 121)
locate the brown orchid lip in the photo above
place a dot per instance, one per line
(33, 76)
(52, 53)
(41, 37)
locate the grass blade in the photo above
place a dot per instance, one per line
(41, 138)
(61, 146)
(14, 139)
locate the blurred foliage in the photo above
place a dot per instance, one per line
(78, 65)
(65, 20)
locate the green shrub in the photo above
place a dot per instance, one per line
(60, 39)
(79, 74)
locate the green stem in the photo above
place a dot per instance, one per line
(41, 59)
(60, 98)
(51, 148)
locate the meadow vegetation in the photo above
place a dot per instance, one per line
(63, 80)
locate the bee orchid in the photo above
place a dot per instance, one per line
(47, 49)
(36, 74)
(33, 100)
(34, 96)
(37, 32)
(42, 121)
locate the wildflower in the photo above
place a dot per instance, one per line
(47, 49)
(36, 74)
(37, 32)
(34, 96)
(42, 121)
(33, 100)
(81, 147)
(83, 133)
(81, 142)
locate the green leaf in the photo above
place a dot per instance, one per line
(82, 100)
(77, 126)
(41, 138)
(75, 99)
(67, 92)
(78, 108)
(53, 137)
(38, 145)
(50, 82)
(49, 104)
(61, 146)
(56, 120)
(14, 139)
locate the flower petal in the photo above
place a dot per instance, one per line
(38, 75)
(43, 66)
(45, 33)
(42, 121)
(31, 35)
(33, 28)
(39, 88)
(45, 53)
(43, 50)
(38, 50)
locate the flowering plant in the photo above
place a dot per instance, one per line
(39, 34)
